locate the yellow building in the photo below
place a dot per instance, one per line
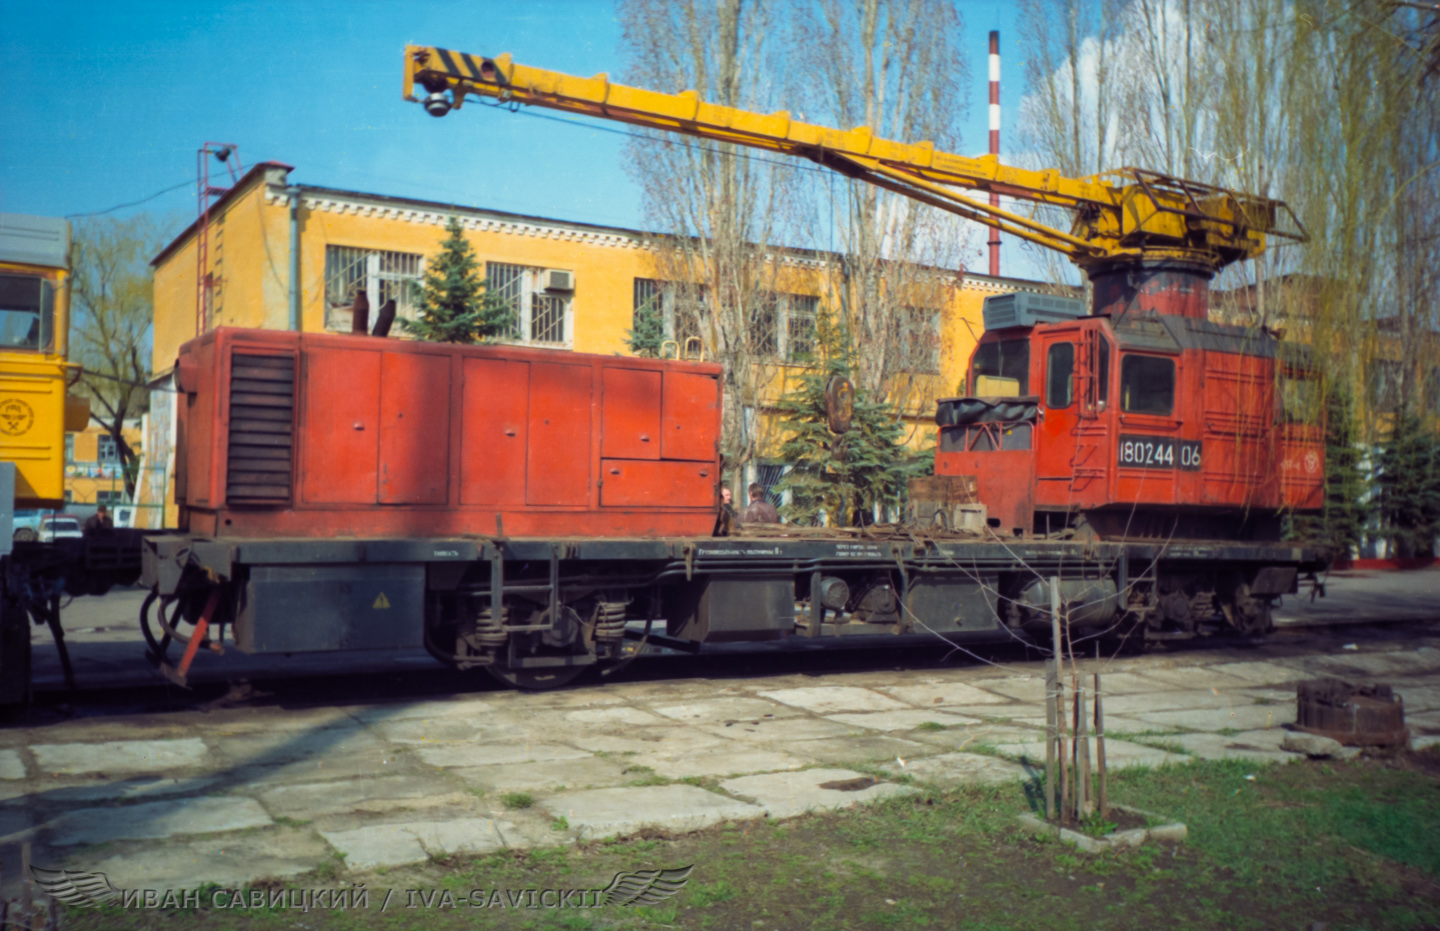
(93, 474)
(575, 287)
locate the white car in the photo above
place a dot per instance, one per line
(60, 528)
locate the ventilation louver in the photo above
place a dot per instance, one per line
(262, 430)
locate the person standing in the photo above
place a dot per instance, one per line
(759, 511)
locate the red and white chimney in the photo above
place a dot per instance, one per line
(995, 142)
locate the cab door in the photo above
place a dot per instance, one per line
(1062, 372)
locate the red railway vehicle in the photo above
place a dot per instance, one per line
(347, 492)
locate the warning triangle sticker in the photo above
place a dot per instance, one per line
(381, 602)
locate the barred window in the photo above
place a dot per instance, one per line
(784, 327)
(383, 276)
(677, 303)
(541, 317)
(920, 339)
(800, 332)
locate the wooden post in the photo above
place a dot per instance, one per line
(1060, 746)
(1052, 684)
(1084, 797)
(1100, 750)
(27, 900)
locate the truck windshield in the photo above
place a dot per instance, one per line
(1007, 358)
(26, 308)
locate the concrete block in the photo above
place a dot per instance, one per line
(284, 746)
(1034, 824)
(1261, 673)
(1424, 741)
(488, 754)
(460, 708)
(967, 736)
(1030, 689)
(953, 769)
(785, 730)
(202, 815)
(1217, 747)
(785, 795)
(830, 699)
(720, 763)
(120, 756)
(597, 813)
(721, 710)
(126, 789)
(1169, 833)
(377, 846)
(11, 766)
(382, 794)
(547, 775)
(839, 751)
(1119, 754)
(900, 720)
(1240, 717)
(620, 714)
(1133, 837)
(944, 693)
(230, 861)
(650, 740)
(1082, 842)
(1312, 745)
(1188, 678)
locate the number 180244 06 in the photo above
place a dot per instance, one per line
(1159, 452)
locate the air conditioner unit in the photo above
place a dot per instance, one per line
(554, 279)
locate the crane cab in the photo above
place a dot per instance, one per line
(1135, 425)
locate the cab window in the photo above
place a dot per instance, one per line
(26, 307)
(1060, 375)
(1147, 384)
(1007, 358)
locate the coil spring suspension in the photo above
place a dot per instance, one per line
(489, 633)
(610, 620)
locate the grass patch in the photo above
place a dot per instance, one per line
(931, 726)
(517, 799)
(1365, 832)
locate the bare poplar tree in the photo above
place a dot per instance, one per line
(717, 204)
(899, 68)
(1070, 118)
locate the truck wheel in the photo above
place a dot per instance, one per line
(26, 535)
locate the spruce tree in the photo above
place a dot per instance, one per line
(1341, 523)
(648, 336)
(842, 476)
(1408, 479)
(456, 306)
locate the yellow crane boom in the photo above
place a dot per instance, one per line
(1122, 217)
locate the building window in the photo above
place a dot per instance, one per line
(109, 498)
(919, 339)
(381, 275)
(70, 448)
(1147, 384)
(107, 451)
(541, 317)
(679, 317)
(784, 327)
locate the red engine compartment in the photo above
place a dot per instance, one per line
(322, 435)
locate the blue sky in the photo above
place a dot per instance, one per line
(104, 104)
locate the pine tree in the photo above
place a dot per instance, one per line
(456, 305)
(1408, 478)
(843, 476)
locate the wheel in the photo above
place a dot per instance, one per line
(536, 680)
(26, 535)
